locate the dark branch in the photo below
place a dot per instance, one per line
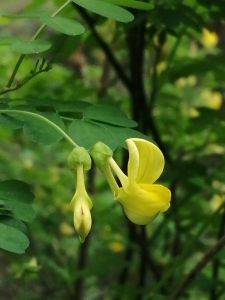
(117, 67)
(199, 266)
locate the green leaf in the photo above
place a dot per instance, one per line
(17, 193)
(86, 134)
(66, 26)
(13, 240)
(8, 40)
(132, 4)
(10, 121)
(22, 211)
(15, 223)
(106, 10)
(71, 106)
(6, 205)
(40, 132)
(16, 190)
(108, 114)
(31, 47)
(122, 134)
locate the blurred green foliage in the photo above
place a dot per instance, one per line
(166, 71)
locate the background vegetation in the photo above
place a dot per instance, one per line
(166, 71)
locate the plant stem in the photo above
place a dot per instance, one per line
(179, 261)
(21, 58)
(40, 117)
(23, 82)
(199, 266)
(216, 262)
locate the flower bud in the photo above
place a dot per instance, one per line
(79, 156)
(82, 216)
(81, 205)
(100, 154)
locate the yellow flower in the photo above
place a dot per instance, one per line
(141, 199)
(81, 205)
(209, 39)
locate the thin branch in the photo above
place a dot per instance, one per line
(21, 58)
(216, 262)
(21, 84)
(116, 65)
(154, 79)
(127, 258)
(185, 252)
(199, 266)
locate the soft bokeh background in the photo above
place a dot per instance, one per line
(176, 71)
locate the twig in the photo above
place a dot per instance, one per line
(127, 258)
(154, 81)
(117, 67)
(143, 257)
(216, 261)
(21, 84)
(199, 266)
(185, 252)
(21, 58)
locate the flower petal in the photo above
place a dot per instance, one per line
(133, 163)
(137, 218)
(151, 162)
(158, 192)
(141, 202)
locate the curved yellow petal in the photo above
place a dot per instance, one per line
(133, 163)
(162, 192)
(137, 218)
(151, 162)
(141, 202)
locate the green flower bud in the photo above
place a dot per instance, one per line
(79, 156)
(101, 154)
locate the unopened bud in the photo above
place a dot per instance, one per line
(100, 153)
(79, 156)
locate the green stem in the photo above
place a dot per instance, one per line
(80, 179)
(179, 261)
(122, 177)
(23, 82)
(111, 180)
(37, 116)
(21, 58)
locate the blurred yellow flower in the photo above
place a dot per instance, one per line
(193, 112)
(141, 199)
(214, 149)
(186, 81)
(211, 99)
(189, 111)
(66, 229)
(116, 246)
(216, 201)
(209, 39)
(161, 67)
(218, 198)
